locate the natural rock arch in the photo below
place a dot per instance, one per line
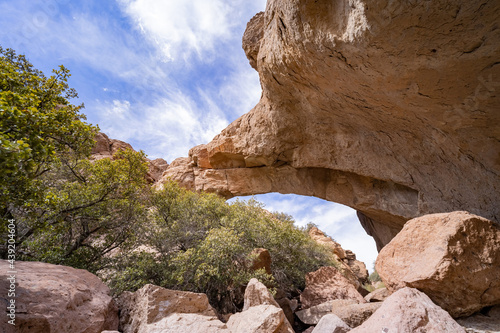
(388, 108)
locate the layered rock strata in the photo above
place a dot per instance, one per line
(391, 108)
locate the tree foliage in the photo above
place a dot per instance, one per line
(39, 128)
(103, 216)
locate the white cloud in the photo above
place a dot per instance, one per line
(166, 127)
(179, 28)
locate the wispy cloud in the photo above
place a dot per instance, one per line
(167, 127)
(180, 28)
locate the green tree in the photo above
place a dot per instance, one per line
(39, 129)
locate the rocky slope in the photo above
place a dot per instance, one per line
(391, 108)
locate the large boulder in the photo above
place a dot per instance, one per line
(355, 314)
(319, 237)
(389, 107)
(53, 299)
(261, 260)
(256, 293)
(357, 267)
(154, 309)
(312, 315)
(452, 257)
(261, 313)
(409, 311)
(378, 295)
(327, 284)
(331, 324)
(259, 319)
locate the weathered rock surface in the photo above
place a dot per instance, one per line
(453, 257)
(262, 260)
(256, 293)
(331, 324)
(409, 311)
(54, 299)
(396, 125)
(357, 267)
(260, 319)
(355, 314)
(106, 148)
(487, 322)
(327, 284)
(319, 237)
(378, 295)
(352, 269)
(261, 313)
(154, 309)
(312, 315)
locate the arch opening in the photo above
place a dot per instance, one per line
(336, 220)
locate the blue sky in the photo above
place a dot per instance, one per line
(163, 75)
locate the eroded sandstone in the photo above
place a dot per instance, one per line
(388, 107)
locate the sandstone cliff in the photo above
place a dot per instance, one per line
(391, 108)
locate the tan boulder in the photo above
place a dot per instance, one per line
(262, 259)
(256, 293)
(260, 319)
(355, 314)
(409, 311)
(312, 315)
(452, 257)
(154, 309)
(330, 323)
(395, 125)
(378, 295)
(357, 267)
(319, 237)
(327, 284)
(53, 299)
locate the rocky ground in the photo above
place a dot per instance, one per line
(433, 285)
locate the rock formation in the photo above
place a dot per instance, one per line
(261, 260)
(327, 284)
(391, 108)
(409, 310)
(256, 293)
(261, 313)
(53, 299)
(331, 324)
(453, 258)
(378, 295)
(106, 148)
(154, 309)
(354, 270)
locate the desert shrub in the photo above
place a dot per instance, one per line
(198, 242)
(101, 215)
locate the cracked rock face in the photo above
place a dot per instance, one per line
(391, 108)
